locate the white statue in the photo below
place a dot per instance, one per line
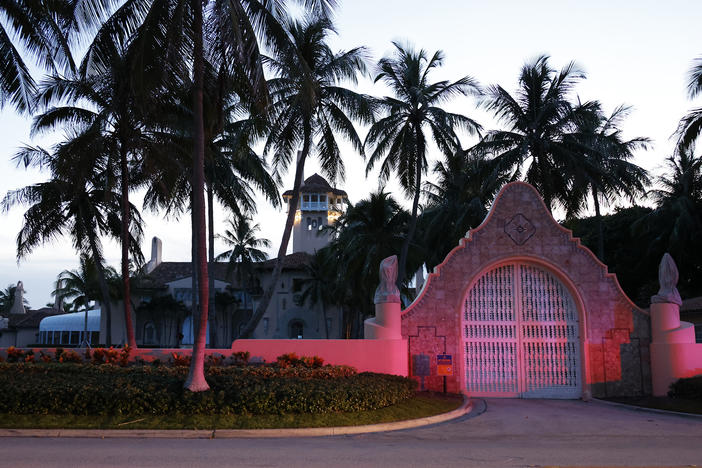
(668, 279)
(18, 305)
(387, 289)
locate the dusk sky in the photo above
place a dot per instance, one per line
(634, 52)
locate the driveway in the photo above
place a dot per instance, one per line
(497, 433)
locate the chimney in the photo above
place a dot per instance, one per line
(156, 249)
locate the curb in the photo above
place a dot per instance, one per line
(644, 409)
(464, 409)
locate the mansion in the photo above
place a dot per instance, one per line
(162, 296)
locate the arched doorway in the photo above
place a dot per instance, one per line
(521, 335)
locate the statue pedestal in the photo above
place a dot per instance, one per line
(673, 350)
(387, 323)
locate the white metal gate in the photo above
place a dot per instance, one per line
(521, 335)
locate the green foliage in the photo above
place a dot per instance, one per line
(690, 388)
(625, 252)
(82, 389)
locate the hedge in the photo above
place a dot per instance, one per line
(82, 389)
(690, 388)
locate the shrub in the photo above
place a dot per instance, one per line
(240, 358)
(86, 389)
(180, 360)
(690, 388)
(14, 354)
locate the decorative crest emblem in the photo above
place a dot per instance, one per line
(519, 229)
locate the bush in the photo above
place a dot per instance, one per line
(84, 389)
(690, 388)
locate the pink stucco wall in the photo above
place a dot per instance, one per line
(382, 356)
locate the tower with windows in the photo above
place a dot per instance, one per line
(320, 205)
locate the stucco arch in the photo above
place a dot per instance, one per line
(520, 228)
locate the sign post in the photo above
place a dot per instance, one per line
(444, 366)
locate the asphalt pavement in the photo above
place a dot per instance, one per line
(495, 433)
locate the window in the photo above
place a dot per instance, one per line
(329, 325)
(149, 333)
(319, 223)
(314, 198)
(283, 304)
(75, 337)
(297, 284)
(266, 322)
(94, 338)
(297, 328)
(64, 337)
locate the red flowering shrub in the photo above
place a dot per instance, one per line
(240, 358)
(292, 360)
(70, 356)
(44, 357)
(214, 360)
(14, 354)
(180, 360)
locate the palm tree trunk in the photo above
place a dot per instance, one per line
(196, 378)
(324, 315)
(402, 267)
(131, 340)
(277, 270)
(212, 313)
(104, 292)
(600, 227)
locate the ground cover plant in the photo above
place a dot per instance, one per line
(685, 396)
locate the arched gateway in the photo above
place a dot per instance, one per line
(520, 309)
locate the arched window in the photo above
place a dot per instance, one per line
(149, 333)
(297, 329)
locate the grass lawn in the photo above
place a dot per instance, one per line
(422, 405)
(670, 404)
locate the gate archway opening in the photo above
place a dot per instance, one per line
(521, 330)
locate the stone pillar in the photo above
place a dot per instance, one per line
(670, 338)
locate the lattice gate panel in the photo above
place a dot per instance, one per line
(521, 338)
(490, 334)
(549, 336)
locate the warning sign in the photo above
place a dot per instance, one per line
(444, 364)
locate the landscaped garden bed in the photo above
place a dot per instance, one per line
(685, 396)
(105, 389)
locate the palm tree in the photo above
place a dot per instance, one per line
(675, 225)
(691, 124)
(538, 117)
(317, 287)
(77, 200)
(40, 28)
(400, 138)
(101, 97)
(606, 172)
(368, 232)
(466, 183)
(310, 106)
(245, 248)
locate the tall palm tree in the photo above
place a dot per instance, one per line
(538, 117)
(39, 27)
(77, 200)
(317, 286)
(691, 124)
(675, 225)
(310, 106)
(400, 138)
(368, 232)
(606, 172)
(101, 97)
(466, 183)
(245, 248)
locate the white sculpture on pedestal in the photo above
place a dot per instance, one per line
(18, 305)
(387, 291)
(668, 279)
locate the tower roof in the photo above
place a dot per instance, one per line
(314, 184)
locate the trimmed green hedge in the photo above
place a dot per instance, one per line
(82, 389)
(690, 388)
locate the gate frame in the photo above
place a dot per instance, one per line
(572, 289)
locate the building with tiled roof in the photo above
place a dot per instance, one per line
(162, 294)
(22, 330)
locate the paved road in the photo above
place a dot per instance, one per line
(505, 433)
